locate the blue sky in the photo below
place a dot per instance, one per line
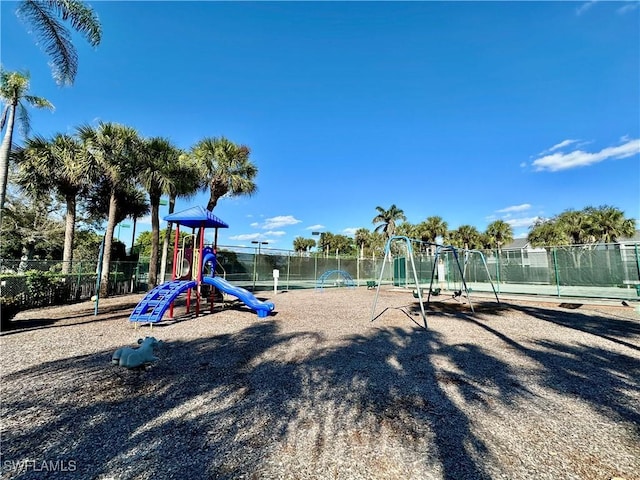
(471, 111)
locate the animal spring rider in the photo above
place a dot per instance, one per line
(136, 357)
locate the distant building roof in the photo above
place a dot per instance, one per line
(517, 244)
(196, 217)
(523, 243)
(634, 239)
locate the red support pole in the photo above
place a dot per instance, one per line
(200, 266)
(193, 251)
(176, 243)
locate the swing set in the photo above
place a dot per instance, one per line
(418, 293)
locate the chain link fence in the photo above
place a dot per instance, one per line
(602, 271)
(26, 284)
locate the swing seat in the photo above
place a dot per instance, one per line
(434, 292)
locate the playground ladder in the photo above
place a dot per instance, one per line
(152, 307)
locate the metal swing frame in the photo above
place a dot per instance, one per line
(439, 250)
(387, 252)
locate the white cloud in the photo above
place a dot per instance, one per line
(558, 146)
(585, 6)
(629, 7)
(522, 222)
(258, 236)
(315, 227)
(254, 224)
(146, 220)
(245, 236)
(515, 208)
(279, 221)
(350, 230)
(578, 158)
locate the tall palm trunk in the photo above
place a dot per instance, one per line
(218, 189)
(165, 243)
(69, 233)
(108, 241)
(5, 150)
(155, 240)
(133, 235)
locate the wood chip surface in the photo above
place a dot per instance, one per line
(519, 390)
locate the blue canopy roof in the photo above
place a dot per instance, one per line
(196, 217)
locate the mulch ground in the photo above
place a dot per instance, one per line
(516, 390)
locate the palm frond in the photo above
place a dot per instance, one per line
(54, 38)
(13, 86)
(38, 102)
(81, 17)
(24, 119)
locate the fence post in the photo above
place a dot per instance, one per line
(115, 281)
(498, 269)
(98, 275)
(79, 280)
(555, 269)
(288, 268)
(315, 269)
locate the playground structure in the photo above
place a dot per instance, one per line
(154, 305)
(458, 293)
(342, 277)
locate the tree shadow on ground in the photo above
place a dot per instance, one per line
(220, 406)
(27, 324)
(231, 405)
(605, 379)
(614, 329)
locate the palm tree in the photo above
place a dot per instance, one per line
(546, 233)
(137, 206)
(44, 19)
(577, 225)
(362, 238)
(132, 202)
(60, 165)
(156, 176)
(387, 220)
(186, 181)
(499, 233)
(432, 228)
(13, 93)
(301, 244)
(114, 148)
(608, 223)
(227, 168)
(466, 236)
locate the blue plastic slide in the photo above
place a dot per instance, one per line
(261, 308)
